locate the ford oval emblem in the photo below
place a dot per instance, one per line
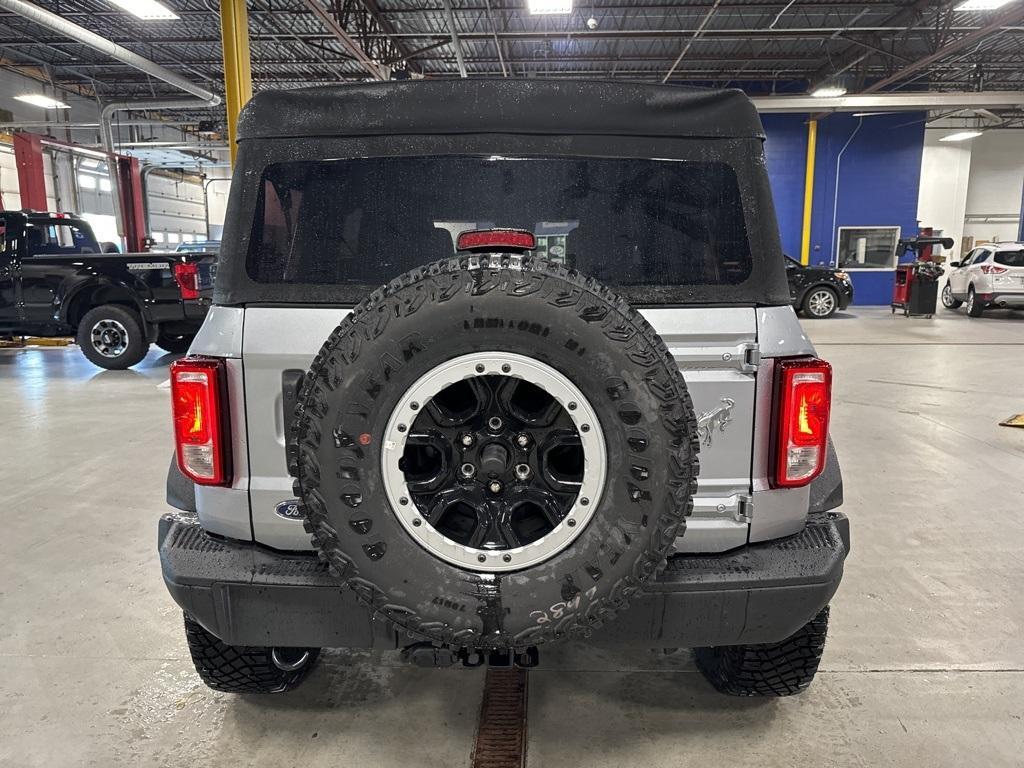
(289, 509)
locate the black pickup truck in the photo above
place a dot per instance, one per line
(55, 280)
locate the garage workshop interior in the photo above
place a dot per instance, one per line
(512, 383)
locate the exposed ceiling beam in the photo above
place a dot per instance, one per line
(456, 42)
(697, 33)
(389, 29)
(1009, 17)
(853, 54)
(579, 35)
(374, 69)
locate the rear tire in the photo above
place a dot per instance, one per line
(947, 298)
(175, 343)
(975, 307)
(111, 337)
(245, 669)
(773, 669)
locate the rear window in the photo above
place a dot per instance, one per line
(55, 237)
(626, 222)
(1009, 258)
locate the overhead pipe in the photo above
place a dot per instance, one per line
(82, 35)
(107, 137)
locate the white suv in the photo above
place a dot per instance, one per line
(991, 275)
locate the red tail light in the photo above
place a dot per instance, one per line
(802, 406)
(490, 239)
(199, 406)
(187, 277)
(992, 269)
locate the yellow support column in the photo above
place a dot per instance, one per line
(805, 238)
(234, 35)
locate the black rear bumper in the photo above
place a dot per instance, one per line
(249, 595)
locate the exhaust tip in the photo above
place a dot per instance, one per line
(289, 659)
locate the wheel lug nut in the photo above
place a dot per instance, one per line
(522, 439)
(467, 440)
(494, 423)
(522, 471)
(467, 470)
(494, 486)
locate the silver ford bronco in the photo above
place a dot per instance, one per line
(496, 364)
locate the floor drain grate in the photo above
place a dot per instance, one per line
(501, 730)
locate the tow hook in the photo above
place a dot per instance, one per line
(428, 655)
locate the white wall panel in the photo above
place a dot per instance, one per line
(942, 199)
(995, 188)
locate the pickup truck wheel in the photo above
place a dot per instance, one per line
(494, 452)
(175, 343)
(111, 337)
(773, 669)
(244, 669)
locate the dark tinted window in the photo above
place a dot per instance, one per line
(626, 222)
(1010, 258)
(55, 237)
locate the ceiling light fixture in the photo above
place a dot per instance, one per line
(961, 136)
(980, 5)
(828, 91)
(150, 10)
(550, 6)
(39, 100)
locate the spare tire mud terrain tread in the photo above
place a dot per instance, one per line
(240, 669)
(330, 463)
(773, 669)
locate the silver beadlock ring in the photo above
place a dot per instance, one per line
(563, 391)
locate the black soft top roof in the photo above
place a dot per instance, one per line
(507, 106)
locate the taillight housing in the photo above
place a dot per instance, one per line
(199, 406)
(992, 269)
(186, 275)
(803, 402)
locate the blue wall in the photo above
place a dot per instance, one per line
(879, 178)
(786, 155)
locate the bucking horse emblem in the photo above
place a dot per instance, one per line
(715, 420)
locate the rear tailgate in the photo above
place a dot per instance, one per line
(715, 347)
(148, 262)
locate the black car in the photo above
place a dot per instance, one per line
(818, 291)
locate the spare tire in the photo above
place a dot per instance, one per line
(494, 452)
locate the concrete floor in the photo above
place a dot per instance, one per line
(924, 666)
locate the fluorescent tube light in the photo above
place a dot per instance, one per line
(150, 10)
(980, 5)
(961, 136)
(550, 6)
(38, 100)
(829, 91)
